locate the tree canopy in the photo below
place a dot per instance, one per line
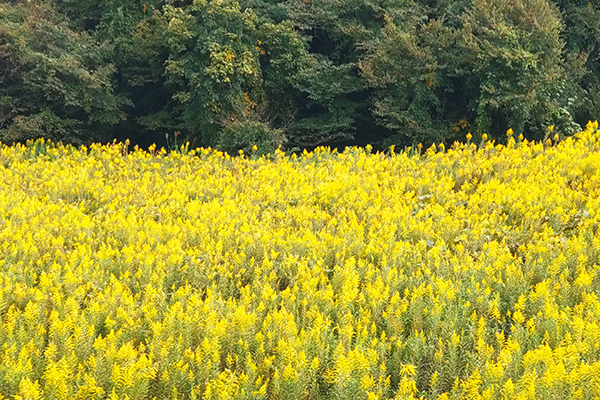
(296, 73)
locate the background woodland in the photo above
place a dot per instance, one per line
(296, 73)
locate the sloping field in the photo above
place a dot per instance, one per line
(461, 273)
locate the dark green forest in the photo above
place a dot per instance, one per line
(296, 73)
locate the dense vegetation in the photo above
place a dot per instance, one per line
(468, 273)
(295, 73)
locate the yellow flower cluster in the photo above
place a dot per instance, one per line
(464, 273)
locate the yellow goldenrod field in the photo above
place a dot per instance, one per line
(469, 272)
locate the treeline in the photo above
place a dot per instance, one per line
(297, 73)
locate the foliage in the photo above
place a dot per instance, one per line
(496, 66)
(582, 44)
(464, 273)
(518, 65)
(54, 82)
(312, 71)
(215, 69)
(213, 66)
(407, 73)
(250, 135)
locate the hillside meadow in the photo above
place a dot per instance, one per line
(468, 272)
